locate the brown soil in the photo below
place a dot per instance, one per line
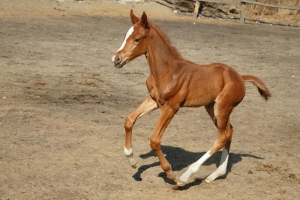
(63, 106)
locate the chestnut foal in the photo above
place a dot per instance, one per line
(175, 82)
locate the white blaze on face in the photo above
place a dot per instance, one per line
(129, 32)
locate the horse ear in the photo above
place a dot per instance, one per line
(134, 18)
(145, 21)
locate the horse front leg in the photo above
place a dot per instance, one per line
(166, 115)
(146, 107)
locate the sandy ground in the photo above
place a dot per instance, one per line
(44, 9)
(63, 106)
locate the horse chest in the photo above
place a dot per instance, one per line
(162, 92)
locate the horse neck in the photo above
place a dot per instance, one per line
(159, 55)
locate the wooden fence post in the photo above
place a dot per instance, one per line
(197, 5)
(243, 10)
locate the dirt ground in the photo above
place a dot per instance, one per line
(63, 105)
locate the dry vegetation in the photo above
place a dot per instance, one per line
(253, 13)
(281, 15)
(264, 10)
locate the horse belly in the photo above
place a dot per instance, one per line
(197, 99)
(201, 93)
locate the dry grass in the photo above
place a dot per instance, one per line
(265, 10)
(279, 15)
(254, 12)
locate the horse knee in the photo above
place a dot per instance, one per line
(128, 123)
(155, 145)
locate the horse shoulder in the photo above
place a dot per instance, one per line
(175, 86)
(152, 89)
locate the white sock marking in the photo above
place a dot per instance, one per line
(127, 152)
(131, 159)
(194, 167)
(221, 170)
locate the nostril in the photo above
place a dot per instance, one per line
(117, 60)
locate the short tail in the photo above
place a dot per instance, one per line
(262, 89)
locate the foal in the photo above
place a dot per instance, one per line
(175, 82)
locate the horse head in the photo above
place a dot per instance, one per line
(135, 42)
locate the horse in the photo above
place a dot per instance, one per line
(175, 82)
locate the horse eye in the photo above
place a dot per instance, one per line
(137, 40)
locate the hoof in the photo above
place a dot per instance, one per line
(134, 166)
(175, 187)
(171, 175)
(180, 184)
(207, 181)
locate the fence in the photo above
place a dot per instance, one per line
(188, 4)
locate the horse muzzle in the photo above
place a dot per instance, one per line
(118, 61)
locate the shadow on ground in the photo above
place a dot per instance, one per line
(180, 159)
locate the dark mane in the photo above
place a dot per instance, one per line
(166, 40)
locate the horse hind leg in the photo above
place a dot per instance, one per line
(220, 115)
(221, 170)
